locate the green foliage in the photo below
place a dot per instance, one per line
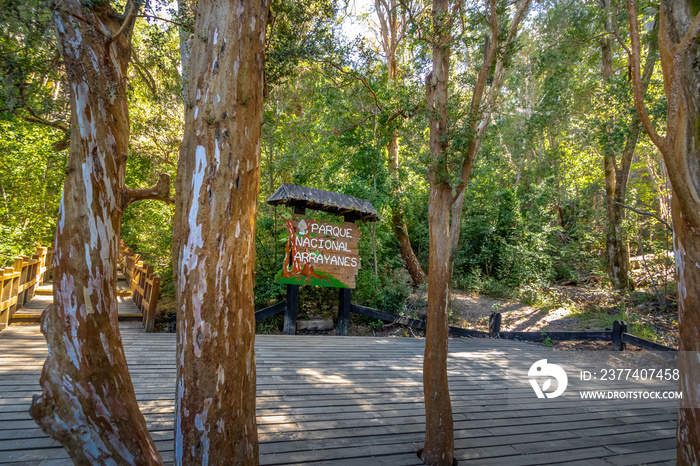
(31, 180)
(533, 211)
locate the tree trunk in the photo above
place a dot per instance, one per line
(387, 12)
(679, 30)
(88, 402)
(398, 219)
(439, 435)
(439, 429)
(616, 177)
(482, 105)
(686, 246)
(217, 193)
(683, 164)
(616, 250)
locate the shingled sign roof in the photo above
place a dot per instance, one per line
(299, 196)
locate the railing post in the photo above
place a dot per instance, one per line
(4, 313)
(31, 277)
(48, 262)
(16, 284)
(495, 324)
(619, 327)
(152, 304)
(24, 269)
(41, 266)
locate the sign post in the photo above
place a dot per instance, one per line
(320, 252)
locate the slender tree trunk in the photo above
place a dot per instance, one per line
(616, 249)
(398, 219)
(217, 193)
(439, 433)
(389, 21)
(439, 428)
(88, 402)
(482, 105)
(617, 175)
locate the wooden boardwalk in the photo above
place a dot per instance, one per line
(356, 401)
(31, 311)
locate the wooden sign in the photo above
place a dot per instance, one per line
(320, 253)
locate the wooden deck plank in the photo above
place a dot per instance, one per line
(349, 400)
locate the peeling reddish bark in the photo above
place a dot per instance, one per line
(686, 245)
(438, 449)
(214, 250)
(88, 402)
(679, 31)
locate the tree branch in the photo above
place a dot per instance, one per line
(482, 106)
(641, 212)
(160, 192)
(637, 85)
(158, 18)
(359, 78)
(125, 24)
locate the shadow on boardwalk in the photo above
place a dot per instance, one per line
(357, 400)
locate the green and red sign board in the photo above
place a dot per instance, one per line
(320, 253)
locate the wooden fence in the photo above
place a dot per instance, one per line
(618, 336)
(143, 284)
(19, 284)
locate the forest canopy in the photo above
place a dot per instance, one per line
(564, 185)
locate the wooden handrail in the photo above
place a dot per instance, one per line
(18, 284)
(143, 283)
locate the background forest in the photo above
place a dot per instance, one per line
(566, 193)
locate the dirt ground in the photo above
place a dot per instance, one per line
(566, 308)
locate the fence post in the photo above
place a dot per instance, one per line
(495, 324)
(31, 277)
(41, 266)
(291, 308)
(24, 268)
(152, 304)
(16, 285)
(619, 327)
(4, 313)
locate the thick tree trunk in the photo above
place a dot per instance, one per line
(616, 248)
(686, 245)
(683, 164)
(88, 402)
(439, 428)
(679, 30)
(217, 193)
